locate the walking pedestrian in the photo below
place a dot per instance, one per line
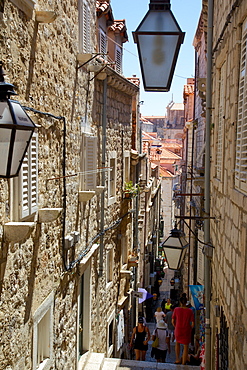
(183, 321)
(170, 327)
(162, 333)
(140, 337)
(154, 305)
(159, 314)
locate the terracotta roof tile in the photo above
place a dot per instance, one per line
(188, 89)
(102, 6)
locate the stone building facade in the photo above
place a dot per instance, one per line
(228, 303)
(228, 184)
(66, 228)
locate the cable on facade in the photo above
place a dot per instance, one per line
(84, 253)
(64, 174)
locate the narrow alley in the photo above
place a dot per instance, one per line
(97, 362)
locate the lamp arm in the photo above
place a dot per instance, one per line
(196, 235)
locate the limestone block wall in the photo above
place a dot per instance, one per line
(40, 60)
(118, 134)
(228, 204)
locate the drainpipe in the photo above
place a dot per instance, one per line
(102, 210)
(207, 262)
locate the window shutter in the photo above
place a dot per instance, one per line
(118, 59)
(34, 174)
(220, 134)
(25, 207)
(90, 162)
(84, 27)
(241, 147)
(29, 177)
(103, 42)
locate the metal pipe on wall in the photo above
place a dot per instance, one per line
(102, 211)
(207, 262)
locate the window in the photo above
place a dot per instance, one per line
(126, 166)
(118, 59)
(84, 27)
(241, 144)
(124, 250)
(29, 179)
(110, 333)
(220, 128)
(43, 335)
(109, 266)
(112, 173)
(102, 42)
(89, 162)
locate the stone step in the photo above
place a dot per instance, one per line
(118, 364)
(97, 361)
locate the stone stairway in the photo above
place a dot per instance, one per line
(97, 361)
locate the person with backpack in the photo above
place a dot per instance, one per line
(161, 334)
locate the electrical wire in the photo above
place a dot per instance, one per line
(87, 249)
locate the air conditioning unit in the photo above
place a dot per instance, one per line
(68, 242)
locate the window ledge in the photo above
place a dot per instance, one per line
(18, 231)
(48, 214)
(44, 16)
(27, 6)
(85, 196)
(99, 189)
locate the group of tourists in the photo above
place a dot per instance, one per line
(173, 323)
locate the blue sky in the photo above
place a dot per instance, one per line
(187, 14)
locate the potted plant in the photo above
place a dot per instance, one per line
(130, 190)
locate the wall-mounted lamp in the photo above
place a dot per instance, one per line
(16, 129)
(175, 247)
(158, 38)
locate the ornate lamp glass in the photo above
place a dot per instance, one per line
(175, 247)
(16, 130)
(158, 39)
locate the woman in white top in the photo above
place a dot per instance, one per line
(159, 314)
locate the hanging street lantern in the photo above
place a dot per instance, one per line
(158, 38)
(16, 130)
(175, 247)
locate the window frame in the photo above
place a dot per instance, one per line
(118, 59)
(241, 133)
(88, 181)
(85, 45)
(47, 307)
(103, 42)
(112, 177)
(109, 267)
(126, 166)
(219, 155)
(110, 322)
(25, 195)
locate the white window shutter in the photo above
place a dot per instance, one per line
(220, 128)
(34, 174)
(103, 42)
(90, 162)
(118, 60)
(24, 190)
(84, 27)
(29, 179)
(241, 147)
